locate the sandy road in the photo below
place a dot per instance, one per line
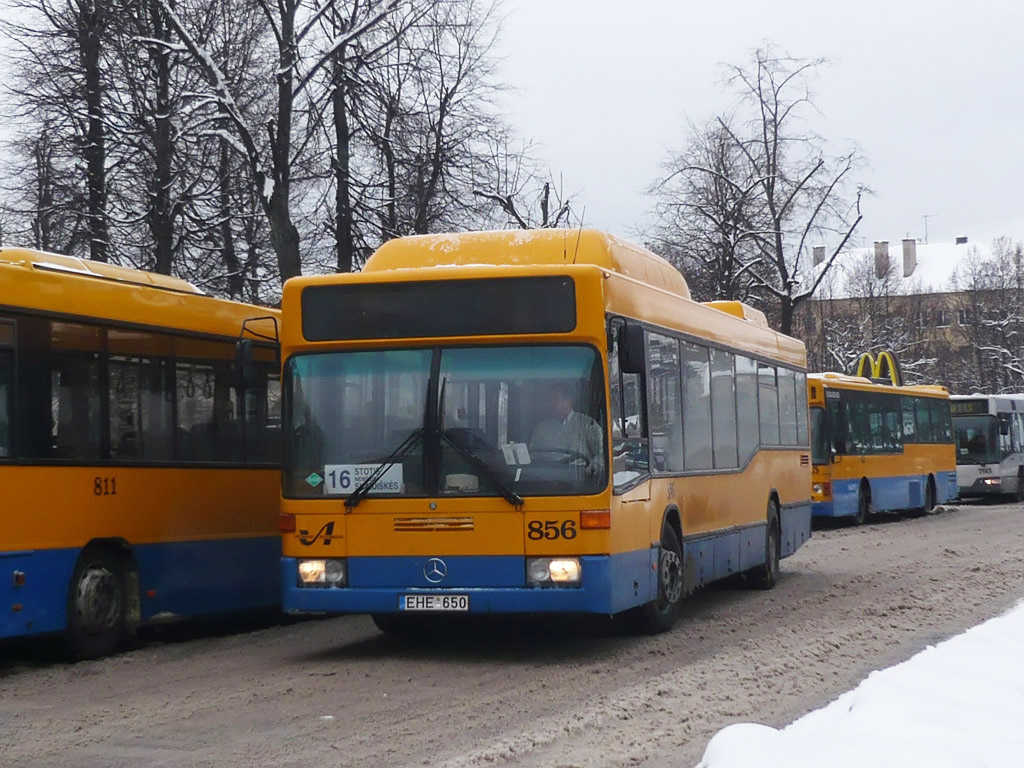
(336, 692)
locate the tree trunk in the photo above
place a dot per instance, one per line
(90, 26)
(786, 307)
(161, 216)
(41, 226)
(227, 236)
(345, 242)
(284, 237)
(390, 228)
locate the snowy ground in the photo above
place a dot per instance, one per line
(958, 703)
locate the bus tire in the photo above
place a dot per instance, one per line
(97, 604)
(661, 614)
(863, 504)
(929, 496)
(1018, 494)
(767, 576)
(929, 500)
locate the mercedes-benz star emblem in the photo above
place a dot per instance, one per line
(435, 570)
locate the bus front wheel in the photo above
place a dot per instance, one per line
(1018, 494)
(661, 614)
(97, 603)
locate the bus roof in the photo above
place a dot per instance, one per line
(845, 381)
(47, 283)
(55, 262)
(530, 247)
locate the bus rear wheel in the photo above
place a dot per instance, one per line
(97, 603)
(766, 576)
(863, 506)
(661, 614)
(1018, 494)
(929, 500)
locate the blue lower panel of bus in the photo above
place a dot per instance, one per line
(720, 555)
(185, 579)
(203, 577)
(609, 584)
(497, 584)
(887, 494)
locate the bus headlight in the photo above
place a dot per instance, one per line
(330, 572)
(334, 571)
(541, 571)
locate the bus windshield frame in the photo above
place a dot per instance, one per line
(968, 449)
(492, 419)
(821, 436)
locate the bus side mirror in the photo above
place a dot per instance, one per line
(1004, 426)
(243, 364)
(632, 355)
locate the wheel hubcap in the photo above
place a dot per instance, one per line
(671, 573)
(98, 601)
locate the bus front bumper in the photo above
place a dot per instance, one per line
(985, 486)
(608, 584)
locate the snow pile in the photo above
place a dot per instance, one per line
(955, 704)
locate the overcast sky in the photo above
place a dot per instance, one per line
(933, 92)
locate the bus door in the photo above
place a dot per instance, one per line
(631, 448)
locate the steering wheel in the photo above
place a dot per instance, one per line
(569, 454)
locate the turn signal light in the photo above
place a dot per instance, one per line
(596, 518)
(286, 523)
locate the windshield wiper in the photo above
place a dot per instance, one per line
(484, 468)
(964, 459)
(475, 461)
(414, 439)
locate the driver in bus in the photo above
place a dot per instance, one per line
(568, 431)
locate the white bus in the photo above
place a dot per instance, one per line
(989, 445)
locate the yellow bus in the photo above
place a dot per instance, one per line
(139, 482)
(879, 447)
(531, 422)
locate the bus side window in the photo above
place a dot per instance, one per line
(6, 376)
(909, 422)
(1018, 433)
(263, 416)
(697, 437)
(665, 415)
(629, 430)
(747, 421)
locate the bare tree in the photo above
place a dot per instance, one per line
(302, 54)
(61, 55)
(524, 196)
(761, 180)
(989, 306)
(707, 211)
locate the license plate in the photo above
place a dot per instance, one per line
(433, 603)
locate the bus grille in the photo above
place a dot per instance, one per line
(433, 523)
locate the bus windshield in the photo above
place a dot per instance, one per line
(530, 418)
(976, 441)
(820, 442)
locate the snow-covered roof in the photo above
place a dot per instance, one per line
(931, 270)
